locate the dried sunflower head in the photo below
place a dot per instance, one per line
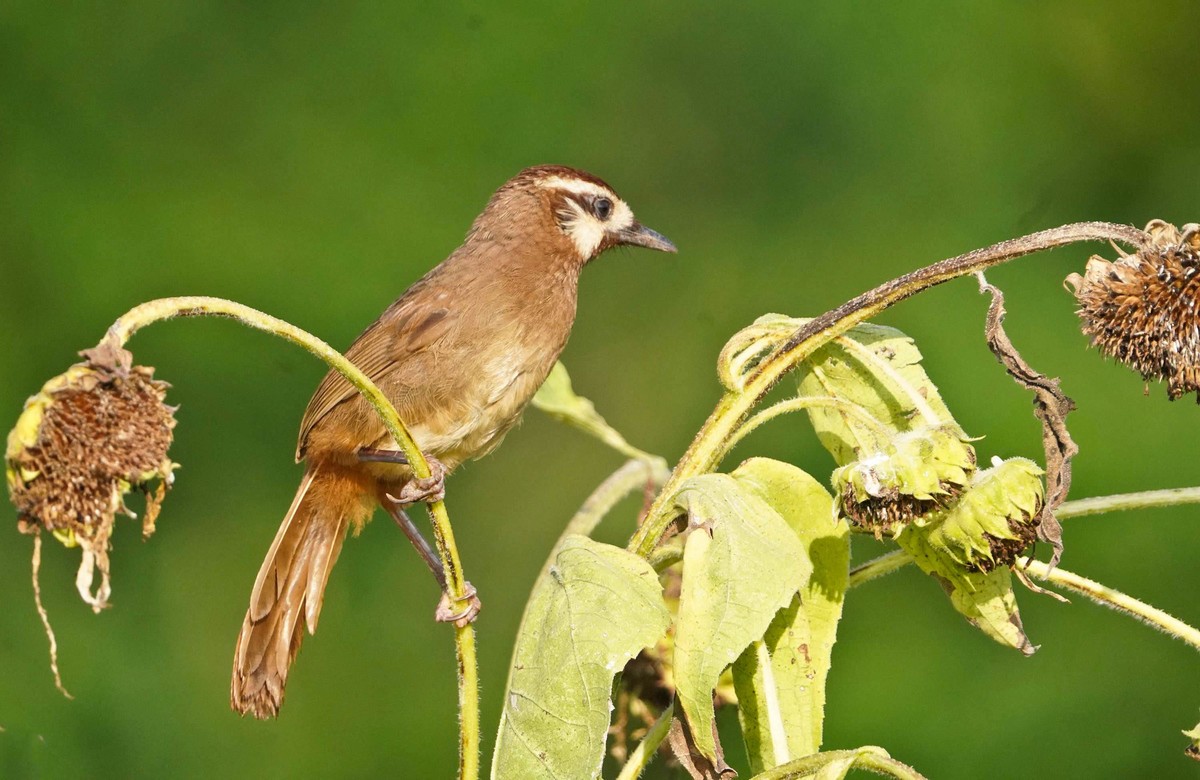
(1142, 308)
(89, 437)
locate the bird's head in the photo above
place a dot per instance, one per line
(572, 211)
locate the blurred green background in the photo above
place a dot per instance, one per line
(313, 160)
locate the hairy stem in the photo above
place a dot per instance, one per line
(712, 441)
(848, 408)
(201, 306)
(1146, 499)
(644, 753)
(871, 759)
(1115, 599)
(879, 567)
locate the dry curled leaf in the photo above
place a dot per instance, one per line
(689, 756)
(1051, 406)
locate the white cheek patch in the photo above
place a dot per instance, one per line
(586, 231)
(621, 217)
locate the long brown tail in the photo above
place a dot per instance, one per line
(291, 583)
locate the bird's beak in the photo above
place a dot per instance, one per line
(639, 235)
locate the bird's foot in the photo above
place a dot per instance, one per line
(459, 611)
(423, 490)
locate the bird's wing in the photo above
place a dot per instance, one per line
(407, 328)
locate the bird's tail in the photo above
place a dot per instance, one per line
(291, 584)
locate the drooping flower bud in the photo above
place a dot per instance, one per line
(918, 472)
(995, 518)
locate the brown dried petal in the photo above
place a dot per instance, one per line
(887, 514)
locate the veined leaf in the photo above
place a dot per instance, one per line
(780, 681)
(589, 614)
(741, 565)
(878, 369)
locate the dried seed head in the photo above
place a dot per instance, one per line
(1142, 308)
(87, 439)
(995, 519)
(922, 471)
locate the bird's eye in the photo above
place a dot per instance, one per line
(602, 208)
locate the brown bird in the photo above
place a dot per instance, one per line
(460, 355)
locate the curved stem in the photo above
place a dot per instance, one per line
(665, 557)
(196, 306)
(873, 760)
(710, 444)
(1115, 599)
(849, 408)
(879, 567)
(644, 753)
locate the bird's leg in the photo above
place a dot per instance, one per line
(459, 611)
(417, 490)
(372, 455)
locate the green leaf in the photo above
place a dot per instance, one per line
(741, 565)
(780, 681)
(596, 608)
(985, 600)
(556, 398)
(879, 369)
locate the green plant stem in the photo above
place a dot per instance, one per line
(1146, 499)
(1115, 599)
(878, 762)
(644, 753)
(849, 408)
(665, 557)
(196, 306)
(712, 441)
(879, 567)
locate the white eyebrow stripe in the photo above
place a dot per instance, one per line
(576, 186)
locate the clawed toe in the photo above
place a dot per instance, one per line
(459, 611)
(423, 490)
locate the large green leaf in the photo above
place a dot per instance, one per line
(741, 565)
(780, 681)
(592, 611)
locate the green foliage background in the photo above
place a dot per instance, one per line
(313, 161)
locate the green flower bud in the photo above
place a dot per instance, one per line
(919, 472)
(995, 519)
